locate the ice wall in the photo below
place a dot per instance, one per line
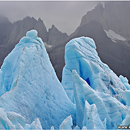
(30, 87)
(101, 97)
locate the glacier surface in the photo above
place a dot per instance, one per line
(94, 87)
(31, 96)
(30, 87)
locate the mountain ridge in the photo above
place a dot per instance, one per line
(14, 31)
(113, 52)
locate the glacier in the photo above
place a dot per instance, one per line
(14, 121)
(91, 95)
(30, 87)
(87, 80)
(81, 55)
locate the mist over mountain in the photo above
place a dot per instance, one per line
(108, 25)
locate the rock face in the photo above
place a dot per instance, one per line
(14, 32)
(113, 16)
(30, 87)
(5, 30)
(108, 25)
(28, 23)
(55, 36)
(11, 33)
(94, 15)
(117, 60)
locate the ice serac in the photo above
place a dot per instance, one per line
(86, 114)
(14, 121)
(101, 97)
(81, 55)
(96, 110)
(125, 82)
(67, 124)
(29, 85)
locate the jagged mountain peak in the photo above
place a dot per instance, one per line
(53, 28)
(99, 6)
(39, 19)
(55, 36)
(113, 16)
(94, 15)
(4, 19)
(28, 17)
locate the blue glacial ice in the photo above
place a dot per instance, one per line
(81, 55)
(30, 87)
(31, 96)
(125, 82)
(87, 80)
(14, 121)
(98, 108)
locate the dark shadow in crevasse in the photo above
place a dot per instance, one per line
(88, 81)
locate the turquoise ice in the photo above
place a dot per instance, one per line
(31, 96)
(87, 80)
(30, 87)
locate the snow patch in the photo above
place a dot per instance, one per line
(47, 45)
(114, 36)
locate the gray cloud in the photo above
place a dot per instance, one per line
(66, 16)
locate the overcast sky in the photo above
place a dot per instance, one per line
(66, 16)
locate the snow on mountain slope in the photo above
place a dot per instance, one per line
(29, 85)
(114, 36)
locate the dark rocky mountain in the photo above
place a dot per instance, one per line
(112, 16)
(55, 36)
(115, 54)
(5, 31)
(11, 33)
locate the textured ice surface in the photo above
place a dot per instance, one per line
(29, 86)
(101, 97)
(67, 123)
(126, 121)
(86, 114)
(81, 55)
(14, 121)
(99, 110)
(31, 96)
(125, 82)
